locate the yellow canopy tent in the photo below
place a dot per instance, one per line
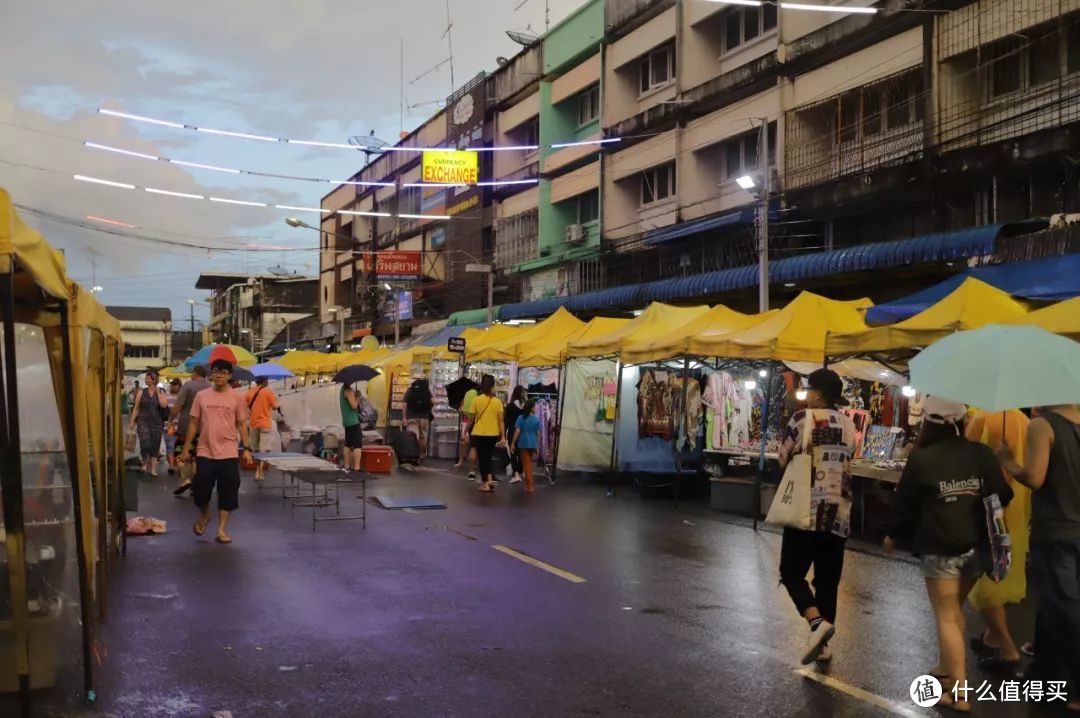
(971, 305)
(332, 363)
(389, 364)
(175, 372)
(1061, 318)
(795, 333)
(303, 362)
(477, 338)
(558, 326)
(657, 320)
(35, 291)
(716, 322)
(551, 350)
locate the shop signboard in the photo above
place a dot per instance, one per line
(450, 167)
(456, 345)
(399, 264)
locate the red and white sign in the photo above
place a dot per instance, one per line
(394, 264)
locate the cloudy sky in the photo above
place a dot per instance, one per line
(318, 69)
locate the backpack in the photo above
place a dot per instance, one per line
(369, 415)
(418, 400)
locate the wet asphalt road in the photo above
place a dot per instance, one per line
(679, 615)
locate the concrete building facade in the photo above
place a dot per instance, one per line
(251, 310)
(147, 335)
(933, 119)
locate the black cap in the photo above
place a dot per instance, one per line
(829, 384)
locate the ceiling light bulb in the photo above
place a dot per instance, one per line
(750, 385)
(800, 395)
(746, 182)
(763, 373)
(908, 391)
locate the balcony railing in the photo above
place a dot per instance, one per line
(516, 240)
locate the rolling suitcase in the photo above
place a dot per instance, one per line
(406, 447)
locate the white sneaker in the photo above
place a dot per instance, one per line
(472, 476)
(818, 638)
(826, 654)
(516, 479)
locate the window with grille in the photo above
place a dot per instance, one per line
(516, 239)
(740, 154)
(743, 24)
(657, 68)
(588, 104)
(658, 183)
(141, 352)
(588, 207)
(890, 104)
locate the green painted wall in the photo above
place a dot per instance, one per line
(566, 45)
(576, 36)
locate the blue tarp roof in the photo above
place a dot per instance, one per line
(937, 247)
(685, 229)
(438, 339)
(1051, 279)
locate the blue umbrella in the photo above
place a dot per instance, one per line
(1001, 367)
(272, 370)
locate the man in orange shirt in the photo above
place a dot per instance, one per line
(261, 400)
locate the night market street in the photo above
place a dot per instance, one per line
(679, 614)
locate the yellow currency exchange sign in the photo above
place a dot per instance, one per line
(450, 167)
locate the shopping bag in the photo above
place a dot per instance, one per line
(995, 546)
(791, 505)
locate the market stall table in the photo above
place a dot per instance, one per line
(304, 468)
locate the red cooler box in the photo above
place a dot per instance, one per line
(377, 459)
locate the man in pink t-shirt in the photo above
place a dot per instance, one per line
(219, 417)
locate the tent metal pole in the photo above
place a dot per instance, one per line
(675, 434)
(764, 438)
(11, 484)
(615, 429)
(77, 499)
(558, 422)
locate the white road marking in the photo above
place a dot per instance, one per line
(525, 558)
(894, 707)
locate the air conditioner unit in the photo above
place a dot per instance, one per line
(575, 233)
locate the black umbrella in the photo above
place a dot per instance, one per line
(354, 373)
(457, 389)
(239, 373)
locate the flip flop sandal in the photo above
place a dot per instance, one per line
(994, 662)
(197, 530)
(222, 540)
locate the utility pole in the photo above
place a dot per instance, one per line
(763, 217)
(191, 306)
(490, 296)
(397, 315)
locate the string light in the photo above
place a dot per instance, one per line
(253, 173)
(339, 145)
(252, 203)
(114, 222)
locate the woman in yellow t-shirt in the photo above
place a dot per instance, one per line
(487, 430)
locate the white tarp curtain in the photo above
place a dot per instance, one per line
(585, 443)
(316, 407)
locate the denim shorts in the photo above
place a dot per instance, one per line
(966, 564)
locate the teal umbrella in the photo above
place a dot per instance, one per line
(1001, 367)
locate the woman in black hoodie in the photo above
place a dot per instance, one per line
(938, 508)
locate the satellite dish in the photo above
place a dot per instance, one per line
(525, 37)
(369, 144)
(280, 271)
(501, 61)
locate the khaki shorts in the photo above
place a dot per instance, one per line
(262, 440)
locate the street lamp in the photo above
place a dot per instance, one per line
(490, 272)
(191, 306)
(294, 222)
(758, 184)
(339, 312)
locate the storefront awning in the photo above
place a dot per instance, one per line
(1050, 279)
(705, 224)
(472, 316)
(938, 247)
